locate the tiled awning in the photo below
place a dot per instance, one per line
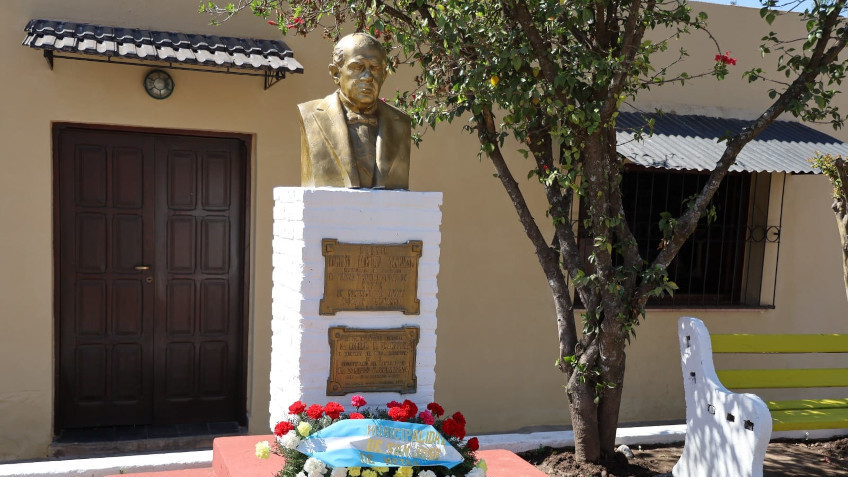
(269, 56)
(691, 142)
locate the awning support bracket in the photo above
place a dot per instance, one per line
(273, 77)
(48, 55)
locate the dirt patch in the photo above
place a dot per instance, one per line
(783, 459)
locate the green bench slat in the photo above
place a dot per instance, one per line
(802, 404)
(783, 378)
(779, 343)
(802, 420)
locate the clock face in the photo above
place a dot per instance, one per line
(158, 84)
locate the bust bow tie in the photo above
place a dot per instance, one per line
(356, 118)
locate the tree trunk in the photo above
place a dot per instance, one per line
(840, 209)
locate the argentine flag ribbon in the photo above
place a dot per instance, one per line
(380, 443)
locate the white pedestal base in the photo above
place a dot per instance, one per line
(300, 352)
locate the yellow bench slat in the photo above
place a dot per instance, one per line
(799, 420)
(801, 404)
(805, 343)
(783, 378)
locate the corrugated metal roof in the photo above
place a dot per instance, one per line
(691, 142)
(205, 50)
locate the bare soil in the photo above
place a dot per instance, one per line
(783, 459)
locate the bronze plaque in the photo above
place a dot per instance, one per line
(370, 277)
(372, 360)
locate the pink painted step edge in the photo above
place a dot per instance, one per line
(236, 457)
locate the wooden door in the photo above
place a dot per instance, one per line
(150, 278)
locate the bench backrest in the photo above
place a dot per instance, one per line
(781, 378)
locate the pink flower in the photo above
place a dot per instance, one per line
(357, 401)
(426, 418)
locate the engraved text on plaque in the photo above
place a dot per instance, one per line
(370, 277)
(372, 360)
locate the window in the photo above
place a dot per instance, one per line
(722, 264)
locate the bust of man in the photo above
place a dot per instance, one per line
(351, 138)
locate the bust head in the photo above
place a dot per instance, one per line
(359, 69)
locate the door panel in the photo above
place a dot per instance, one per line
(160, 345)
(197, 339)
(105, 306)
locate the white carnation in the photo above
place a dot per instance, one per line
(339, 472)
(426, 473)
(476, 472)
(300, 474)
(290, 440)
(315, 467)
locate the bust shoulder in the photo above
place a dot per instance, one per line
(388, 109)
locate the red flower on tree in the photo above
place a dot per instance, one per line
(296, 22)
(726, 59)
(282, 428)
(315, 411)
(297, 408)
(333, 409)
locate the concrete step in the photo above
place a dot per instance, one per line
(204, 472)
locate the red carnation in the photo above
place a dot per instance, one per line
(473, 444)
(357, 401)
(458, 417)
(409, 409)
(282, 428)
(333, 409)
(297, 408)
(356, 415)
(392, 404)
(436, 409)
(397, 413)
(453, 428)
(315, 411)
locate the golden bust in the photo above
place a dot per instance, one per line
(352, 138)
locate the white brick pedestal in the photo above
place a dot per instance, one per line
(300, 351)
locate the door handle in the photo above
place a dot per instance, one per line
(142, 267)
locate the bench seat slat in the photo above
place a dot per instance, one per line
(800, 404)
(806, 343)
(783, 378)
(799, 420)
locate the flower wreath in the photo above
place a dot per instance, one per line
(304, 421)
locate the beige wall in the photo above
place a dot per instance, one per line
(496, 333)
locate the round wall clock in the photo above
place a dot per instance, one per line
(158, 84)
